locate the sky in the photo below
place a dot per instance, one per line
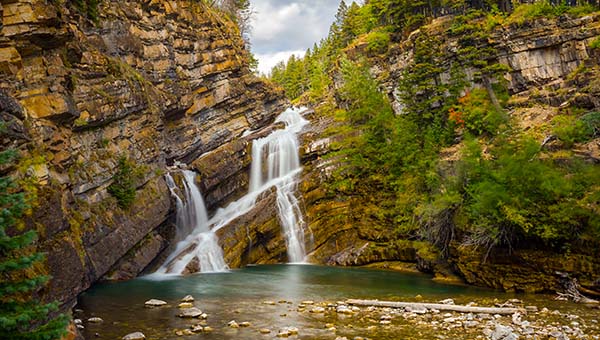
(281, 28)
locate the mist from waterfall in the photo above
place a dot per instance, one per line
(275, 163)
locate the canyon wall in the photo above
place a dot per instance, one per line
(152, 82)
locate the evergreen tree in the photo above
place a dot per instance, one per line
(21, 316)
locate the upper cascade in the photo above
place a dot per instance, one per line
(275, 163)
(279, 151)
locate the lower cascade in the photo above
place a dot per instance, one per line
(192, 220)
(275, 163)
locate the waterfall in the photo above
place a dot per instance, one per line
(192, 221)
(280, 150)
(275, 163)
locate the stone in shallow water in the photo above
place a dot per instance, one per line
(190, 313)
(503, 333)
(264, 331)
(318, 310)
(155, 303)
(233, 324)
(197, 328)
(245, 324)
(135, 336)
(185, 305)
(95, 320)
(187, 298)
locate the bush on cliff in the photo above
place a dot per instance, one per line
(21, 316)
(123, 187)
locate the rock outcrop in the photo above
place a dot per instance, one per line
(155, 82)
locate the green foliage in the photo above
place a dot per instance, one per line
(21, 316)
(378, 42)
(123, 186)
(595, 44)
(545, 9)
(513, 194)
(89, 8)
(571, 130)
(476, 113)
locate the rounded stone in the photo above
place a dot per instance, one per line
(187, 298)
(155, 303)
(134, 336)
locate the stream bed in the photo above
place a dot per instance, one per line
(305, 297)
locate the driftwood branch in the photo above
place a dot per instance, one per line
(437, 306)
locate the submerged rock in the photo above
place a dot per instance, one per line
(190, 313)
(155, 303)
(184, 305)
(135, 336)
(95, 320)
(233, 324)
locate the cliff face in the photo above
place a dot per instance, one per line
(152, 81)
(552, 67)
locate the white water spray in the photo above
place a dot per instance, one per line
(275, 163)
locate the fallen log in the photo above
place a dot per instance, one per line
(437, 306)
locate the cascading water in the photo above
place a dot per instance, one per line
(275, 163)
(192, 221)
(280, 150)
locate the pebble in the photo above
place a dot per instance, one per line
(264, 331)
(343, 310)
(187, 298)
(233, 324)
(245, 324)
(269, 302)
(135, 336)
(329, 325)
(308, 302)
(197, 328)
(385, 322)
(189, 313)
(155, 303)
(284, 333)
(318, 310)
(447, 302)
(204, 316)
(341, 338)
(531, 309)
(77, 321)
(185, 305)
(208, 329)
(95, 320)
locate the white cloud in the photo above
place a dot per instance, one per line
(290, 25)
(268, 60)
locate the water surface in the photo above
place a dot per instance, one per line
(240, 295)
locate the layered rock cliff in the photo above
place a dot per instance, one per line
(552, 68)
(153, 82)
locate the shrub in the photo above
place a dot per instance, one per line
(595, 44)
(476, 113)
(378, 42)
(571, 130)
(123, 187)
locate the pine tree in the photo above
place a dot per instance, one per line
(21, 317)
